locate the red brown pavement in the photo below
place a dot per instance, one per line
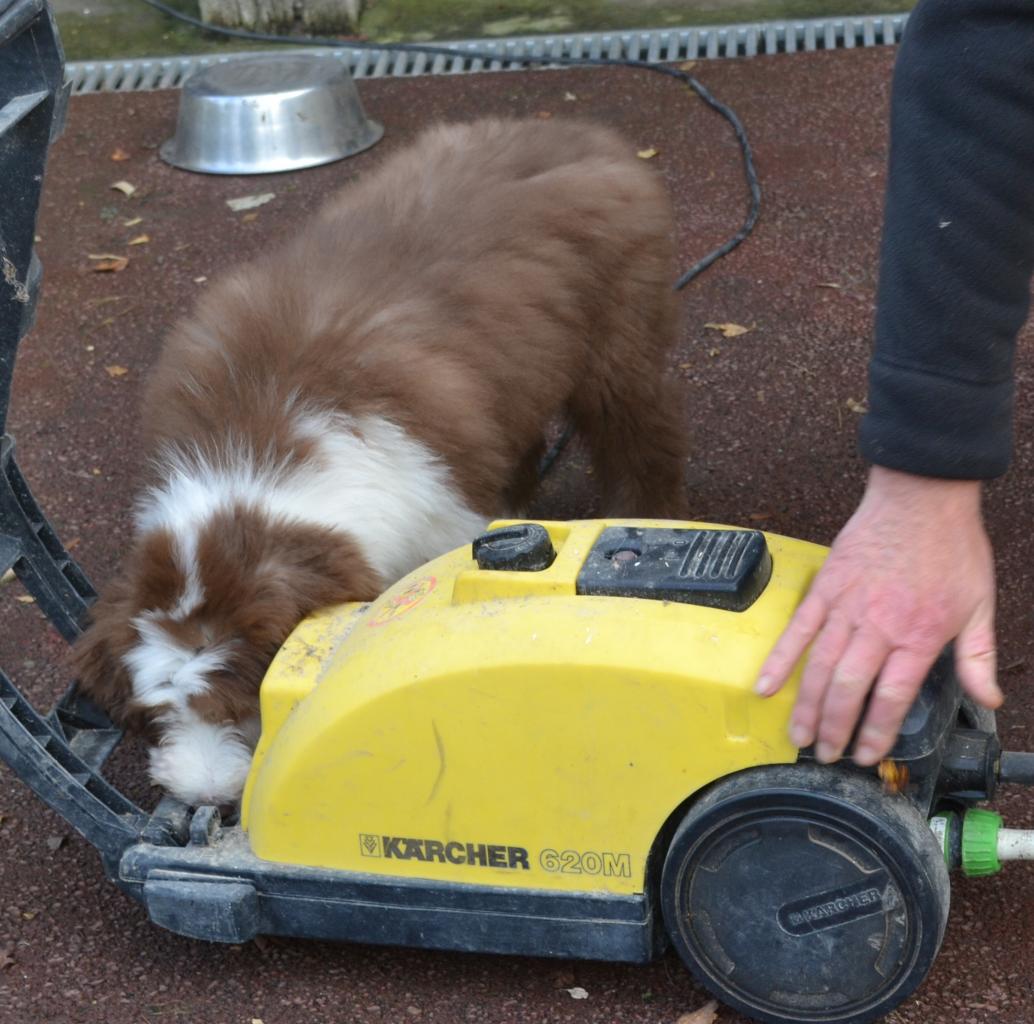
(772, 417)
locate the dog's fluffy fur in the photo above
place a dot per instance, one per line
(366, 396)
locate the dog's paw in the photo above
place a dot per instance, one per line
(201, 763)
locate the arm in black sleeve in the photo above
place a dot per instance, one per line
(958, 245)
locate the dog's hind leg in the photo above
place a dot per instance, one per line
(631, 415)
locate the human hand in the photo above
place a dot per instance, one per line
(911, 571)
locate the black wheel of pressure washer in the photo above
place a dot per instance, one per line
(805, 893)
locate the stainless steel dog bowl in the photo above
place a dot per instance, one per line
(268, 113)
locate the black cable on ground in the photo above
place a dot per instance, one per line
(750, 172)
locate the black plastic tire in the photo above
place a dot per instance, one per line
(804, 893)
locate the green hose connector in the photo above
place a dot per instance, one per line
(972, 842)
(980, 843)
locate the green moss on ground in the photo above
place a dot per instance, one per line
(129, 28)
(395, 20)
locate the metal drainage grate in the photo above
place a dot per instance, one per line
(657, 46)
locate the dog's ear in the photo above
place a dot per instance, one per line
(307, 568)
(98, 655)
(254, 569)
(259, 583)
(319, 567)
(311, 568)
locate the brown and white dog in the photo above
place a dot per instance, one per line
(366, 396)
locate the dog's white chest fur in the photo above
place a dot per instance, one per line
(368, 478)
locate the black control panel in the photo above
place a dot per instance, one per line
(725, 569)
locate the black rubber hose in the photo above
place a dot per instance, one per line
(1016, 767)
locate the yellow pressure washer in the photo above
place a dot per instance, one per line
(548, 744)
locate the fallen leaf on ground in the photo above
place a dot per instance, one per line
(6, 960)
(687, 65)
(119, 155)
(544, 115)
(132, 222)
(729, 330)
(26, 599)
(563, 979)
(647, 154)
(685, 366)
(54, 843)
(858, 407)
(124, 187)
(577, 993)
(250, 202)
(200, 280)
(712, 352)
(139, 240)
(8, 577)
(116, 370)
(108, 263)
(95, 471)
(30, 915)
(705, 1015)
(249, 217)
(829, 284)
(570, 97)
(256, 1020)
(759, 517)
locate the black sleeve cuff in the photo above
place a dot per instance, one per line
(930, 425)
